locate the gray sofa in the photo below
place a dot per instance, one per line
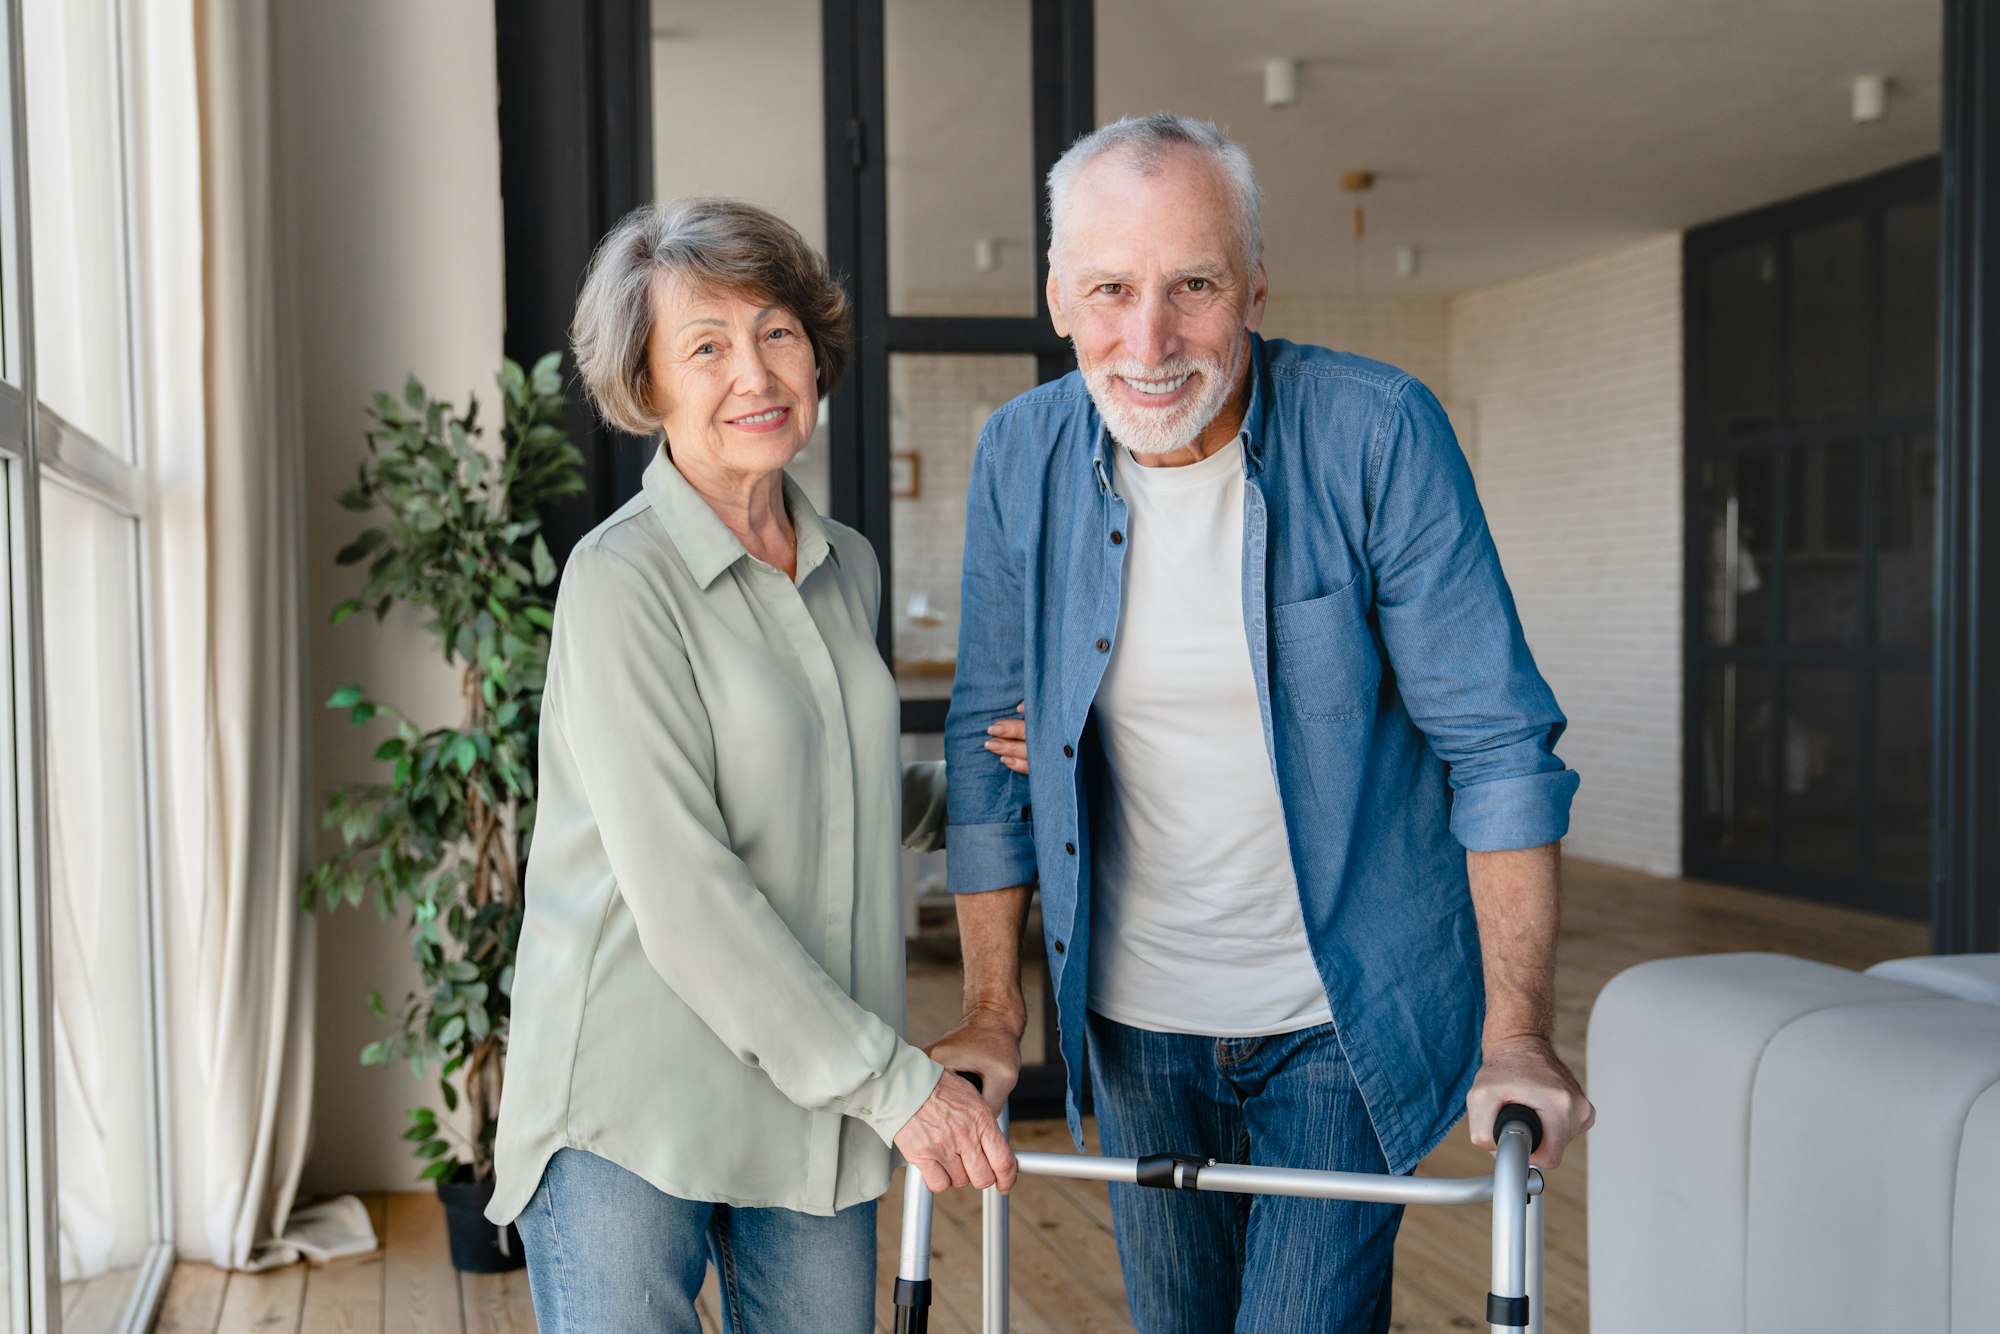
(1788, 1146)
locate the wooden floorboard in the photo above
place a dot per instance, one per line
(265, 1303)
(193, 1304)
(420, 1288)
(1065, 1271)
(346, 1296)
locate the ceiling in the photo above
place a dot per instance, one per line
(1506, 136)
(1510, 136)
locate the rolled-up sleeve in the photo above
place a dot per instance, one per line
(1454, 639)
(645, 752)
(990, 843)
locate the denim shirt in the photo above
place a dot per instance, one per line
(1402, 711)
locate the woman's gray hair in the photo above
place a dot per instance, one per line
(718, 245)
(1146, 142)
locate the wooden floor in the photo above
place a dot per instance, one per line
(1065, 1265)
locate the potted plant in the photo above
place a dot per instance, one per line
(441, 839)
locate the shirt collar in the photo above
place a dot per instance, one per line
(706, 545)
(1252, 435)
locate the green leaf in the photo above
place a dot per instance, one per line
(453, 1030)
(545, 564)
(436, 1148)
(360, 547)
(437, 1171)
(344, 698)
(345, 610)
(391, 749)
(450, 1097)
(362, 713)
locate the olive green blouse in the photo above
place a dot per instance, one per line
(709, 990)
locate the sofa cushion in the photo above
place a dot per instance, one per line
(1855, 1133)
(1973, 977)
(1673, 1051)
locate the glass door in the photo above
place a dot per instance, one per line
(1812, 524)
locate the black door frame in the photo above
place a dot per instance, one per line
(857, 230)
(1866, 198)
(1966, 864)
(1064, 74)
(576, 155)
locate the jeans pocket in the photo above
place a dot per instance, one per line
(1329, 666)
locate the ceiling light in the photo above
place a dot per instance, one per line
(1871, 98)
(1281, 82)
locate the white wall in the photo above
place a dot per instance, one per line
(391, 186)
(1410, 334)
(1571, 384)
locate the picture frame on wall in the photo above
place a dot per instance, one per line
(905, 475)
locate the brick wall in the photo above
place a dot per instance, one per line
(1407, 333)
(1568, 385)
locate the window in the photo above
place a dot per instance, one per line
(84, 1230)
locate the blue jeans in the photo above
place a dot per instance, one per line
(610, 1254)
(1200, 1263)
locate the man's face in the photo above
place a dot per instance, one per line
(1149, 281)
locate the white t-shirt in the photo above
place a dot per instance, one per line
(1195, 919)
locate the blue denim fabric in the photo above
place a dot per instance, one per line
(608, 1253)
(1404, 716)
(1198, 1263)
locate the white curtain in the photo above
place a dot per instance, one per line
(239, 948)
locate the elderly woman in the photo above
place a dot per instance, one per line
(706, 1062)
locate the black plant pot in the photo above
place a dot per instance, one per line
(477, 1246)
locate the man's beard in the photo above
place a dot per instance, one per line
(1167, 430)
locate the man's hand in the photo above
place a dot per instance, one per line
(953, 1140)
(987, 1045)
(1008, 739)
(1526, 1070)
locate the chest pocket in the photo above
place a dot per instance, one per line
(1328, 664)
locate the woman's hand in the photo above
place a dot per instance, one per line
(953, 1140)
(1008, 739)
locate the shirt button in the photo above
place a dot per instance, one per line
(1069, 752)
(1070, 848)
(1103, 646)
(1116, 537)
(1059, 947)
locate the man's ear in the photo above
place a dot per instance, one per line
(1259, 289)
(1057, 316)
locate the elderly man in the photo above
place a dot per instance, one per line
(1292, 800)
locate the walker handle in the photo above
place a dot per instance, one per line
(1515, 1113)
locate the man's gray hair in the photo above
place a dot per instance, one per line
(1145, 143)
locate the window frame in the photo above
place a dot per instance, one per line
(40, 448)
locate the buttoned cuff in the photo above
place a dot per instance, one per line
(887, 1101)
(981, 857)
(1505, 814)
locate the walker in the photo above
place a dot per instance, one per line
(1514, 1190)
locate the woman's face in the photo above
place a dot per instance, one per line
(734, 380)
